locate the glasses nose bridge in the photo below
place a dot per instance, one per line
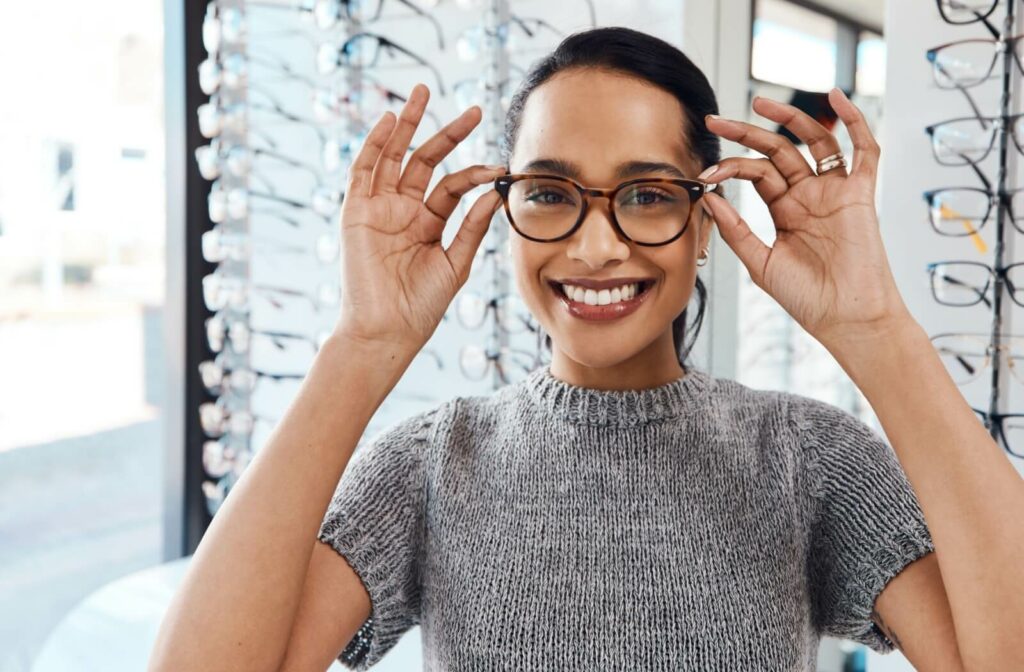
(597, 192)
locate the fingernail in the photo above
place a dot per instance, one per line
(707, 172)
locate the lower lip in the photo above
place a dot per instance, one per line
(611, 311)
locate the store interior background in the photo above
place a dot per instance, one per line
(92, 263)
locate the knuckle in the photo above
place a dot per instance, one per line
(391, 155)
(426, 159)
(449, 192)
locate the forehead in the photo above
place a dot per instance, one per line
(599, 120)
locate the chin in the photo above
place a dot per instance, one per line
(597, 357)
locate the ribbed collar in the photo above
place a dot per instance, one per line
(621, 408)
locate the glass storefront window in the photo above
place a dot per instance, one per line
(81, 295)
(870, 64)
(793, 46)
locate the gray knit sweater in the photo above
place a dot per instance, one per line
(698, 525)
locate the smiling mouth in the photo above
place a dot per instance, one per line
(644, 287)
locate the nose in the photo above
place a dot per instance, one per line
(596, 242)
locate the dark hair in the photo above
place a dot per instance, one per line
(649, 58)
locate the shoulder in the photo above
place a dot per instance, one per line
(480, 415)
(805, 415)
(402, 443)
(736, 405)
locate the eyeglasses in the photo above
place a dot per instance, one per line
(364, 48)
(485, 254)
(510, 312)
(329, 13)
(512, 365)
(365, 104)
(967, 63)
(212, 159)
(216, 116)
(967, 355)
(960, 12)
(473, 91)
(225, 204)
(222, 290)
(964, 211)
(966, 140)
(228, 26)
(1009, 429)
(232, 72)
(646, 211)
(966, 283)
(470, 45)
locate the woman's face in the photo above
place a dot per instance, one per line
(594, 123)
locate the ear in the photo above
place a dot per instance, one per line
(707, 225)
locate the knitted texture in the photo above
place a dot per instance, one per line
(697, 525)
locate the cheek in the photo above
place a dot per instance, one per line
(525, 265)
(679, 274)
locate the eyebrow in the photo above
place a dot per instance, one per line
(627, 169)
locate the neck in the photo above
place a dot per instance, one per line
(655, 365)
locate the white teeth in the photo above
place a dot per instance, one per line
(603, 297)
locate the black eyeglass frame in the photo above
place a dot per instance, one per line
(997, 121)
(344, 54)
(1005, 44)
(931, 195)
(996, 419)
(978, 16)
(695, 189)
(999, 274)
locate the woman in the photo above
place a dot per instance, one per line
(619, 509)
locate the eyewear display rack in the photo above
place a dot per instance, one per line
(1002, 135)
(243, 324)
(1006, 102)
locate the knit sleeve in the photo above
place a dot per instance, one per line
(375, 520)
(866, 524)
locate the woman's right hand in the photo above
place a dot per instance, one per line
(397, 280)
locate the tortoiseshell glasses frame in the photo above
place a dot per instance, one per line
(695, 189)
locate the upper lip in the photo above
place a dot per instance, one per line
(600, 284)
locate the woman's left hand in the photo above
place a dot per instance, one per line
(827, 267)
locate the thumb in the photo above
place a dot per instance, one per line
(463, 247)
(734, 230)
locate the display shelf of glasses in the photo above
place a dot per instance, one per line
(293, 87)
(978, 214)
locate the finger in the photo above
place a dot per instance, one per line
(865, 148)
(389, 165)
(452, 187)
(819, 140)
(762, 173)
(420, 167)
(738, 236)
(464, 246)
(783, 153)
(361, 170)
